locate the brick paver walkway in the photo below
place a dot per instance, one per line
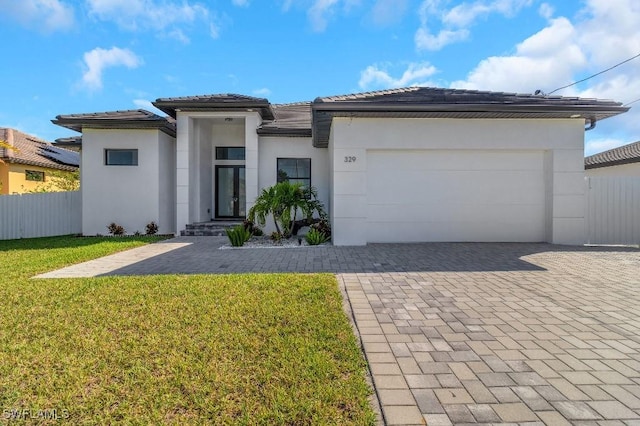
(469, 333)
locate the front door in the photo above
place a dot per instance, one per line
(230, 192)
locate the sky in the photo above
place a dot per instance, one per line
(79, 56)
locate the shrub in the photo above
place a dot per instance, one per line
(322, 226)
(238, 235)
(152, 228)
(276, 236)
(115, 229)
(315, 237)
(252, 228)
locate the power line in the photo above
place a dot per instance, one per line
(632, 102)
(595, 75)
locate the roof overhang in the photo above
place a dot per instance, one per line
(324, 112)
(79, 123)
(171, 107)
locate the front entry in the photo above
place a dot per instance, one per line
(230, 192)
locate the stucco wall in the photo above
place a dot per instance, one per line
(126, 195)
(562, 142)
(167, 187)
(13, 178)
(272, 148)
(632, 169)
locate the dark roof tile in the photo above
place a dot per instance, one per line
(622, 155)
(134, 119)
(29, 150)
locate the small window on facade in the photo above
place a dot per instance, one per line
(121, 157)
(34, 175)
(230, 153)
(295, 170)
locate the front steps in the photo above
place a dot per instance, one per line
(215, 228)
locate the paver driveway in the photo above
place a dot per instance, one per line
(470, 333)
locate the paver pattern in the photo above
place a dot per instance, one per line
(469, 333)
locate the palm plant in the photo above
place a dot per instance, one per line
(282, 201)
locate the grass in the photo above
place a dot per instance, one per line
(174, 349)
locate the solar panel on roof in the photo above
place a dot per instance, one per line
(60, 155)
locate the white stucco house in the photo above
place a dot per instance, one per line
(617, 162)
(402, 165)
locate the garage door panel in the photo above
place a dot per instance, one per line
(502, 213)
(433, 186)
(455, 195)
(453, 160)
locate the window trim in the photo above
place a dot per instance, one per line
(39, 173)
(297, 178)
(109, 150)
(244, 153)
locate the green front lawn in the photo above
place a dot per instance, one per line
(198, 349)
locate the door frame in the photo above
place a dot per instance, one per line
(236, 190)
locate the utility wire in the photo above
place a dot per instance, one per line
(632, 102)
(595, 75)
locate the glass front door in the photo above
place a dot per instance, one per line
(230, 192)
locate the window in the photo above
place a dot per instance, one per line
(229, 153)
(295, 170)
(121, 157)
(34, 175)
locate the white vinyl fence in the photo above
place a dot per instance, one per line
(40, 215)
(613, 210)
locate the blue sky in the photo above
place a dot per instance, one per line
(74, 56)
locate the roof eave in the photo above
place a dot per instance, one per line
(171, 107)
(285, 132)
(612, 163)
(78, 124)
(346, 109)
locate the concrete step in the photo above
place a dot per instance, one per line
(209, 229)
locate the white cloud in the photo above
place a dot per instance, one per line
(378, 76)
(547, 58)
(427, 41)
(454, 22)
(48, 15)
(156, 15)
(240, 3)
(602, 34)
(387, 12)
(320, 12)
(262, 92)
(595, 146)
(98, 59)
(546, 11)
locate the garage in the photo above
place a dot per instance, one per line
(455, 195)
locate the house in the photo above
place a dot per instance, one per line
(73, 143)
(31, 162)
(621, 161)
(401, 165)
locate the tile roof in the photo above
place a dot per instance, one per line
(430, 102)
(435, 95)
(622, 155)
(221, 101)
(31, 151)
(126, 119)
(290, 119)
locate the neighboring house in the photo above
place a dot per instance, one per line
(621, 161)
(31, 162)
(73, 143)
(401, 165)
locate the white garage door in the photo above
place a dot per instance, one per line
(455, 195)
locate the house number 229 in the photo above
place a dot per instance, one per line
(350, 159)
